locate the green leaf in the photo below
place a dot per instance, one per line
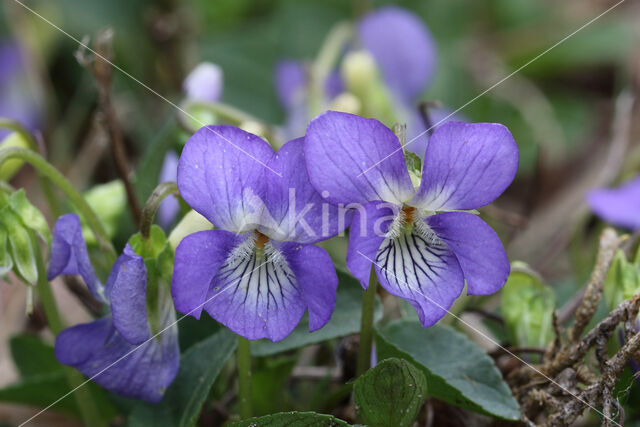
(291, 419)
(199, 368)
(32, 356)
(391, 394)
(30, 215)
(21, 245)
(527, 307)
(43, 380)
(457, 370)
(622, 281)
(344, 321)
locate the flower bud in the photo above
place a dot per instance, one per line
(527, 307)
(359, 72)
(9, 168)
(204, 83)
(190, 223)
(20, 246)
(254, 127)
(346, 103)
(109, 202)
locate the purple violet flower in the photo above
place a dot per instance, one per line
(619, 206)
(204, 83)
(105, 350)
(422, 250)
(169, 207)
(258, 272)
(17, 102)
(403, 49)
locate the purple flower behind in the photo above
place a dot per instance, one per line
(204, 83)
(258, 272)
(619, 206)
(403, 48)
(16, 100)
(169, 207)
(421, 249)
(106, 350)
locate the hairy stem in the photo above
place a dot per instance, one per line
(47, 170)
(84, 400)
(153, 202)
(366, 325)
(244, 377)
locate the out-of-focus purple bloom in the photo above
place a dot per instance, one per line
(105, 347)
(619, 206)
(403, 48)
(204, 83)
(169, 207)
(291, 87)
(291, 82)
(16, 100)
(258, 272)
(422, 251)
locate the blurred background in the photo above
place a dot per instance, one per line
(572, 110)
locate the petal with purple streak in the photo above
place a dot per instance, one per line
(422, 269)
(314, 271)
(198, 258)
(368, 230)
(256, 295)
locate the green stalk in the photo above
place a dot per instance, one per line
(48, 171)
(153, 202)
(45, 184)
(366, 325)
(244, 377)
(84, 400)
(325, 62)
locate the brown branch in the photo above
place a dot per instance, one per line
(102, 72)
(609, 243)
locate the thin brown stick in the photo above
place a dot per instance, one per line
(102, 72)
(609, 244)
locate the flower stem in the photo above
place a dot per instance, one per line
(153, 202)
(84, 400)
(45, 184)
(47, 170)
(244, 377)
(366, 325)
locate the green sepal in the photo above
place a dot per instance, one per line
(6, 262)
(30, 216)
(527, 307)
(21, 245)
(622, 281)
(158, 260)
